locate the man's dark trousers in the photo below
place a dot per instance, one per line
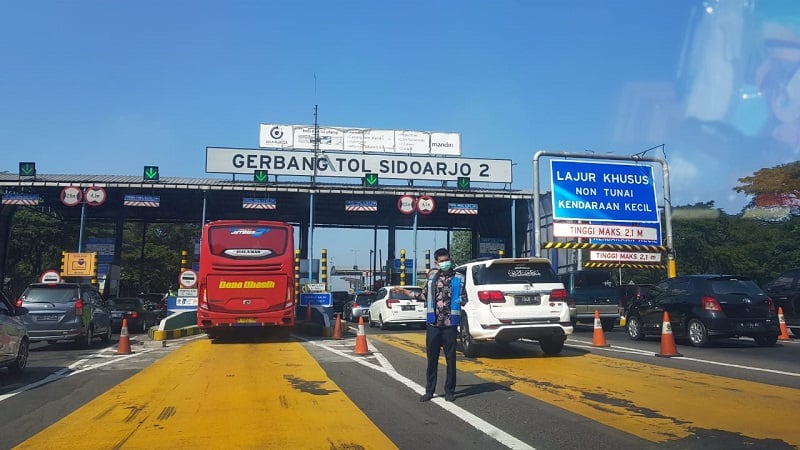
(436, 338)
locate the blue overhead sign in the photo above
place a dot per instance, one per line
(603, 191)
(315, 299)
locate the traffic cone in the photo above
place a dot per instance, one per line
(337, 329)
(361, 339)
(599, 339)
(668, 347)
(124, 347)
(784, 336)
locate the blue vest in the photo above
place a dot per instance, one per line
(455, 302)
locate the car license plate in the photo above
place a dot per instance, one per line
(750, 324)
(408, 307)
(47, 317)
(246, 320)
(527, 300)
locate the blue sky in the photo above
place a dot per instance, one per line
(107, 87)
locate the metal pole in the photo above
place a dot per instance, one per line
(414, 276)
(311, 238)
(513, 228)
(83, 224)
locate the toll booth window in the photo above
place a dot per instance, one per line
(248, 242)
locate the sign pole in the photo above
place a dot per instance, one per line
(83, 222)
(414, 276)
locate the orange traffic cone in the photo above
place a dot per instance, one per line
(361, 339)
(337, 329)
(668, 347)
(784, 336)
(599, 339)
(124, 347)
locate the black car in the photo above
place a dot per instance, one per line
(338, 299)
(705, 307)
(630, 293)
(785, 291)
(140, 318)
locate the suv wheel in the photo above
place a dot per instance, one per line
(608, 324)
(22, 358)
(106, 337)
(796, 331)
(698, 334)
(380, 322)
(552, 345)
(468, 345)
(634, 328)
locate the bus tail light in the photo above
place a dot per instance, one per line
(202, 300)
(289, 296)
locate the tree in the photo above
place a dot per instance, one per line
(781, 179)
(461, 246)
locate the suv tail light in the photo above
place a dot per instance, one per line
(558, 295)
(133, 314)
(19, 302)
(391, 301)
(78, 307)
(487, 297)
(710, 304)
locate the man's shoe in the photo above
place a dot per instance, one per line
(449, 397)
(426, 397)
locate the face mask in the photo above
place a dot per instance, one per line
(446, 265)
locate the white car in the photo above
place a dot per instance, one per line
(395, 308)
(510, 299)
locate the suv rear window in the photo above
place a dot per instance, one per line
(401, 296)
(516, 273)
(593, 280)
(55, 294)
(364, 299)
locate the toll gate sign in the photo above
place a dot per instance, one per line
(603, 191)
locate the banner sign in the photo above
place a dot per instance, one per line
(348, 165)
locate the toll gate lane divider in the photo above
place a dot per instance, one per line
(220, 395)
(659, 404)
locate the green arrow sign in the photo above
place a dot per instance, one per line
(260, 176)
(463, 183)
(371, 179)
(150, 173)
(27, 169)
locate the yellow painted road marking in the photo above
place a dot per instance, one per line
(204, 395)
(653, 402)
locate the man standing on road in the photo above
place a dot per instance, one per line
(443, 295)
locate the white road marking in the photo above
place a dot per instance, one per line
(471, 419)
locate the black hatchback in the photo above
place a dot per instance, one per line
(706, 307)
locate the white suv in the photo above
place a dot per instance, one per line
(513, 298)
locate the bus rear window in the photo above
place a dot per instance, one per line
(247, 242)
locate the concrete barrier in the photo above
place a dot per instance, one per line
(176, 325)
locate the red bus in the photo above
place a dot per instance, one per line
(246, 276)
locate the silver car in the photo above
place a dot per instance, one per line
(14, 340)
(66, 311)
(358, 305)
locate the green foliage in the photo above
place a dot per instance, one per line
(782, 179)
(461, 246)
(37, 240)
